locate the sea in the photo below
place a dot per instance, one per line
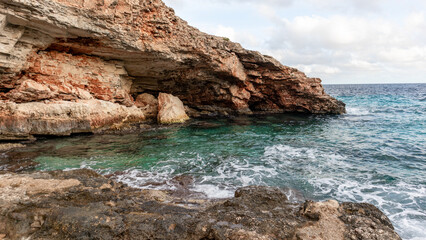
(375, 153)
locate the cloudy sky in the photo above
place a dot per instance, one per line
(352, 41)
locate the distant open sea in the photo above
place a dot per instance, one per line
(375, 153)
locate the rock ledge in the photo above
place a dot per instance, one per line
(81, 204)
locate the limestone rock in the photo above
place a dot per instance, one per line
(170, 109)
(69, 50)
(30, 91)
(81, 204)
(8, 146)
(12, 160)
(22, 120)
(15, 188)
(328, 224)
(148, 103)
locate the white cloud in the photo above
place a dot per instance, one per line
(317, 69)
(241, 37)
(364, 5)
(335, 44)
(339, 41)
(279, 3)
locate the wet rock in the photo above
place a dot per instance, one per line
(82, 204)
(184, 181)
(17, 161)
(365, 221)
(170, 109)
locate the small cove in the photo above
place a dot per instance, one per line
(375, 153)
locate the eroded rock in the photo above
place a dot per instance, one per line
(16, 161)
(9, 146)
(327, 224)
(170, 109)
(66, 50)
(81, 204)
(148, 103)
(63, 118)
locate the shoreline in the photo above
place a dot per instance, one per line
(85, 205)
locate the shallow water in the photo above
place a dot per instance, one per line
(375, 153)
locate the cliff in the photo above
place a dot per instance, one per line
(70, 66)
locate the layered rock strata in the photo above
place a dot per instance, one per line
(71, 50)
(84, 205)
(62, 118)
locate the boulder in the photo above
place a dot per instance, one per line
(170, 109)
(148, 103)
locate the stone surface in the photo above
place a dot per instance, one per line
(81, 204)
(170, 109)
(68, 50)
(328, 224)
(59, 75)
(148, 103)
(8, 146)
(16, 161)
(23, 120)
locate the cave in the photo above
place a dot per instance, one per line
(115, 51)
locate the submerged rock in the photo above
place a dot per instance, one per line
(81, 204)
(17, 161)
(68, 51)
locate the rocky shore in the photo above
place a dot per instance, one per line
(76, 66)
(84, 66)
(82, 204)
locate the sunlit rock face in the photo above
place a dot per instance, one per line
(170, 109)
(63, 50)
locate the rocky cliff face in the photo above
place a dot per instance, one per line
(74, 53)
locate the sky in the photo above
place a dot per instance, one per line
(351, 41)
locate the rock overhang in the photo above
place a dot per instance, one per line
(139, 47)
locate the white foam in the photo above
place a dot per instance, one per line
(146, 179)
(330, 174)
(321, 169)
(411, 229)
(407, 219)
(357, 111)
(213, 191)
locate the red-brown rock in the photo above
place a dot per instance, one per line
(67, 50)
(148, 103)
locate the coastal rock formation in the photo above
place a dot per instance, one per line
(81, 204)
(170, 109)
(148, 103)
(65, 51)
(61, 118)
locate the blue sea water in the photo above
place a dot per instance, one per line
(375, 153)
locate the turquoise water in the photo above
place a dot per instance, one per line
(375, 153)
